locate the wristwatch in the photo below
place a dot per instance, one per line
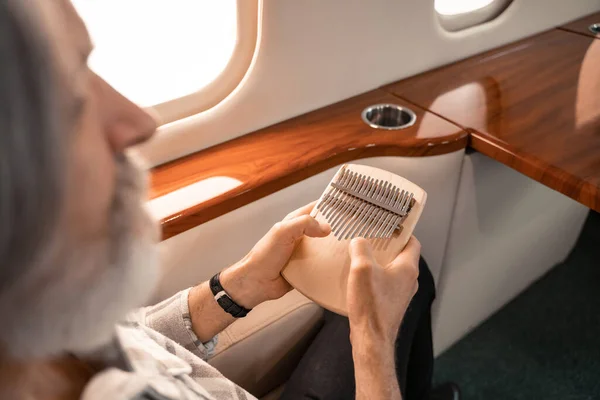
(224, 300)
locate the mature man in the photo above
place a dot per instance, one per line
(78, 252)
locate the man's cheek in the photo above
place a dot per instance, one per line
(93, 185)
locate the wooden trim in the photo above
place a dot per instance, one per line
(538, 170)
(581, 25)
(278, 156)
(526, 105)
(532, 105)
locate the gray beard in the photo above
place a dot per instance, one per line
(73, 304)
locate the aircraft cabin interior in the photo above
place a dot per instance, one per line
(489, 109)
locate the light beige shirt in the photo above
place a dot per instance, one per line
(156, 355)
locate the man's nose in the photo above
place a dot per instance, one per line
(126, 123)
(136, 127)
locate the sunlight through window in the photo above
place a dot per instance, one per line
(454, 7)
(154, 51)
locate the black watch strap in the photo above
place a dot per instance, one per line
(224, 300)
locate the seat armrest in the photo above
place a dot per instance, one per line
(260, 351)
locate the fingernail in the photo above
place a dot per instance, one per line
(325, 227)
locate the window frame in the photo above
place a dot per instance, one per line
(459, 22)
(227, 80)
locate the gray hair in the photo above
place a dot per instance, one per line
(58, 292)
(31, 151)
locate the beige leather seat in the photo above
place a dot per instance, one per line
(260, 351)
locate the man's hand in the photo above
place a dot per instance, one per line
(377, 295)
(257, 277)
(377, 298)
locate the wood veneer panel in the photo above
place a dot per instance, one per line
(532, 105)
(581, 25)
(283, 154)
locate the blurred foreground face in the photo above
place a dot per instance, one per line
(99, 259)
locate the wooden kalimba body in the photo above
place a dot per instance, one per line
(360, 201)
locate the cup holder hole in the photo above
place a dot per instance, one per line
(595, 28)
(388, 116)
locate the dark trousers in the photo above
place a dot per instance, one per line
(326, 371)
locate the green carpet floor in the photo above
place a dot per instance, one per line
(545, 344)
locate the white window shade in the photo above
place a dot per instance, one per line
(455, 15)
(162, 53)
(454, 7)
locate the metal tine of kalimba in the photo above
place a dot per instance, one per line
(403, 209)
(384, 224)
(403, 213)
(407, 205)
(346, 180)
(382, 198)
(336, 197)
(389, 226)
(382, 213)
(392, 216)
(361, 185)
(336, 202)
(355, 217)
(385, 213)
(346, 176)
(350, 201)
(362, 205)
(364, 221)
(367, 212)
(354, 184)
(377, 212)
(372, 219)
(368, 217)
(393, 224)
(325, 199)
(322, 206)
(406, 208)
(328, 198)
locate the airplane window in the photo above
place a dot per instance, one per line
(154, 51)
(453, 7)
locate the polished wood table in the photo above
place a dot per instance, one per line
(533, 105)
(273, 158)
(582, 25)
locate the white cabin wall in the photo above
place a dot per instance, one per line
(312, 53)
(507, 231)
